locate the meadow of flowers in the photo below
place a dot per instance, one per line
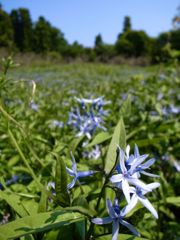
(89, 152)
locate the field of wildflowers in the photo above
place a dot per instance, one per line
(89, 152)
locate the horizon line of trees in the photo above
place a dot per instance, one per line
(19, 34)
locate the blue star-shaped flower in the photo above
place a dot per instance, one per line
(126, 176)
(75, 174)
(138, 195)
(115, 217)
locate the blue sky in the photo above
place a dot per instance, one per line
(82, 20)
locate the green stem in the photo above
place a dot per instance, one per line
(10, 118)
(79, 184)
(33, 153)
(91, 228)
(28, 166)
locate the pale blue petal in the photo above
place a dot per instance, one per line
(149, 174)
(116, 206)
(116, 202)
(132, 189)
(148, 163)
(130, 227)
(116, 178)
(118, 185)
(79, 134)
(136, 175)
(121, 160)
(110, 209)
(85, 174)
(136, 151)
(153, 185)
(149, 206)
(125, 188)
(50, 184)
(101, 221)
(130, 160)
(71, 185)
(137, 161)
(88, 135)
(127, 151)
(70, 172)
(130, 206)
(74, 163)
(115, 229)
(136, 182)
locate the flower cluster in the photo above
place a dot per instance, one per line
(95, 153)
(170, 110)
(126, 178)
(56, 123)
(129, 169)
(86, 118)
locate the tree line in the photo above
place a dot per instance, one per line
(19, 33)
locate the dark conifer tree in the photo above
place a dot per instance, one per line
(42, 36)
(22, 25)
(6, 30)
(127, 24)
(57, 41)
(98, 41)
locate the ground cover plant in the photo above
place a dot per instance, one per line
(89, 152)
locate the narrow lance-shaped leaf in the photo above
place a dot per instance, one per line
(43, 202)
(118, 138)
(61, 183)
(125, 109)
(14, 201)
(100, 138)
(75, 143)
(173, 201)
(37, 223)
(80, 230)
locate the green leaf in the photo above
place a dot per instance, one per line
(125, 109)
(80, 201)
(14, 201)
(135, 131)
(80, 230)
(30, 205)
(167, 212)
(121, 237)
(61, 183)
(75, 143)
(37, 223)
(29, 237)
(13, 161)
(100, 138)
(118, 138)
(150, 142)
(43, 202)
(173, 200)
(85, 211)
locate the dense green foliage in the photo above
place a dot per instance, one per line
(127, 24)
(37, 151)
(6, 30)
(22, 26)
(19, 33)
